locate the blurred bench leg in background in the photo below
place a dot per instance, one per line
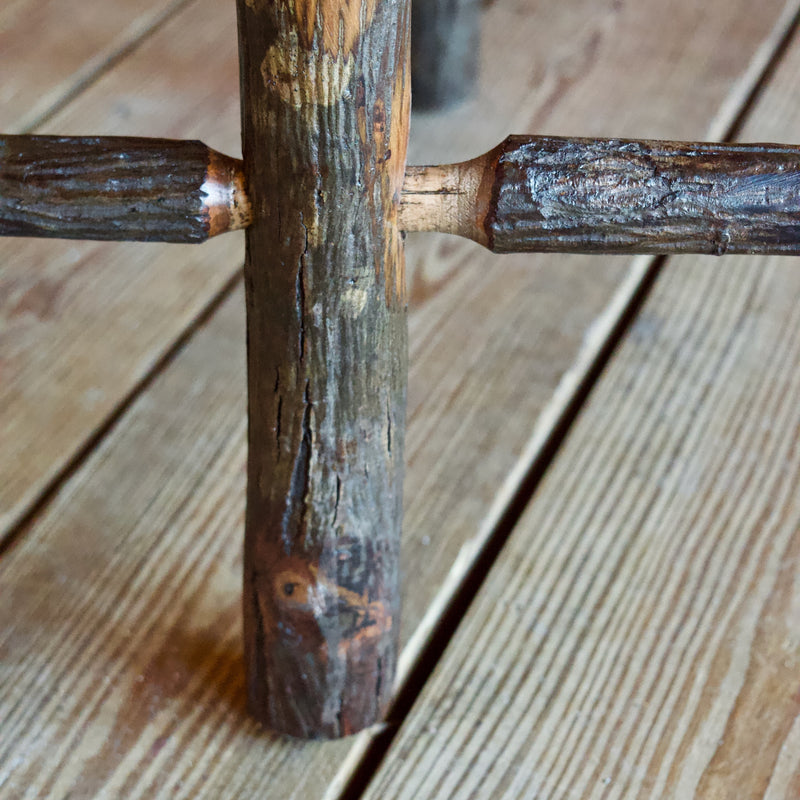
(445, 51)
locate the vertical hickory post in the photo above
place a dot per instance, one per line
(325, 124)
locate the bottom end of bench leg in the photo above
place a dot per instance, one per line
(320, 657)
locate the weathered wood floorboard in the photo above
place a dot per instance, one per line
(120, 661)
(461, 284)
(640, 634)
(50, 49)
(81, 324)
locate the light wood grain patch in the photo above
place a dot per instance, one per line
(82, 324)
(639, 633)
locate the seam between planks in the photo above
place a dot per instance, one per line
(16, 532)
(98, 66)
(430, 639)
(56, 101)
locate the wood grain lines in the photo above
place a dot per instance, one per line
(119, 188)
(327, 349)
(120, 672)
(640, 634)
(82, 324)
(50, 50)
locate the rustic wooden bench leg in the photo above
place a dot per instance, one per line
(325, 124)
(325, 104)
(445, 47)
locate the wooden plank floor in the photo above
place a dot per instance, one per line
(639, 635)
(122, 390)
(50, 50)
(83, 324)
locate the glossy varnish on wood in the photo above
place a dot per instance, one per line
(530, 194)
(560, 195)
(325, 126)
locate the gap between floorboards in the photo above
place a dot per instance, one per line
(98, 66)
(423, 652)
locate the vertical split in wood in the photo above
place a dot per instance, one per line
(325, 125)
(445, 50)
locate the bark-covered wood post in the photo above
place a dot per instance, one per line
(325, 96)
(445, 51)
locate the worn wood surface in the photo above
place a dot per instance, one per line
(561, 195)
(125, 670)
(119, 188)
(51, 49)
(81, 324)
(327, 346)
(639, 635)
(445, 51)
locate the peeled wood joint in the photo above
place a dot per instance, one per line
(545, 194)
(568, 195)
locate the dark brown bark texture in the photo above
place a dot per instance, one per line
(445, 51)
(325, 116)
(617, 196)
(110, 188)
